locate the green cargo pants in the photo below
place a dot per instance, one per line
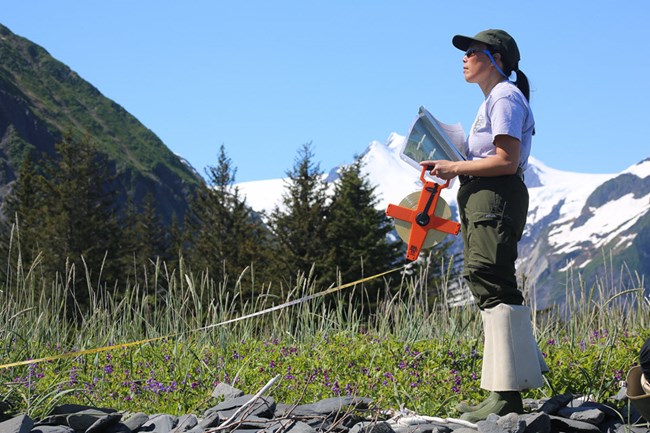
(493, 216)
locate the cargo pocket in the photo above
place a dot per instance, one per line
(483, 237)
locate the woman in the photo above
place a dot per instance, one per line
(493, 203)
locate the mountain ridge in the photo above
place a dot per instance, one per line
(41, 99)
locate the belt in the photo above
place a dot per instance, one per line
(464, 180)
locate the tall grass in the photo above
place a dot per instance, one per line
(412, 350)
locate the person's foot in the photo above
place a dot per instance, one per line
(498, 402)
(464, 407)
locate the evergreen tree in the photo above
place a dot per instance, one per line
(358, 245)
(298, 224)
(79, 225)
(357, 231)
(20, 230)
(143, 238)
(227, 237)
(23, 210)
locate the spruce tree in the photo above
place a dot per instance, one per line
(143, 240)
(358, 245)
(23, 210)
(298, 223)
(227, 237)
(79, 226)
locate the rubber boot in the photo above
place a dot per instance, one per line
(500, 403)
(464, 407)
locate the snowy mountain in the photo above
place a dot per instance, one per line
(577, 223)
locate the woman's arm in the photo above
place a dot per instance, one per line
(505, 161)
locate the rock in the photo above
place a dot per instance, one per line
(586, 414)
(104, 423)
(263, 407)
(512, 423)
(185, 423)
(560, 414)
(300, 427)
(211, 420)
(226, 392)
(19, 424)
(608, 410)
(537, 422)
(372, 427)
(568, 425)
(53, 420)
(553, 404)
(135, 421)
(52, 429)
(118, 428)
(509, 423)
(160, 424)
(331, 406)
(84, 419)
(630, 429)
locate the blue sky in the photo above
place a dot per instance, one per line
(264, 77)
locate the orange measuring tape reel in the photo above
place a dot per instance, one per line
(422, 217)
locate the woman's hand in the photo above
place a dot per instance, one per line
(441, 168)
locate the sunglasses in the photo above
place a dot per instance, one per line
(470, 52)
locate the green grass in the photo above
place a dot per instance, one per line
(413, 352)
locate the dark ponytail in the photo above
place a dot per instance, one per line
(522, 84)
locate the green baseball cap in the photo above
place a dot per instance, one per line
(497, 40)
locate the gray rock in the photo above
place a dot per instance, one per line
(160, 424)
(630, 429)
(331, 406)
(104, 423)
(565, 425)
(372, 427)
(135, 421)
(19, 424)
(118, 428)
(53, 420)
(553, 404)
(226, 392)
(263, 407)
(489, 426)
(622, 394)
(211, 420)
(185, 423)
(248, 421)
(607, 410)
(512, 423)
(84, 419)
(300, 427)
(591, 415)
(52, 429)
(537, 422)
